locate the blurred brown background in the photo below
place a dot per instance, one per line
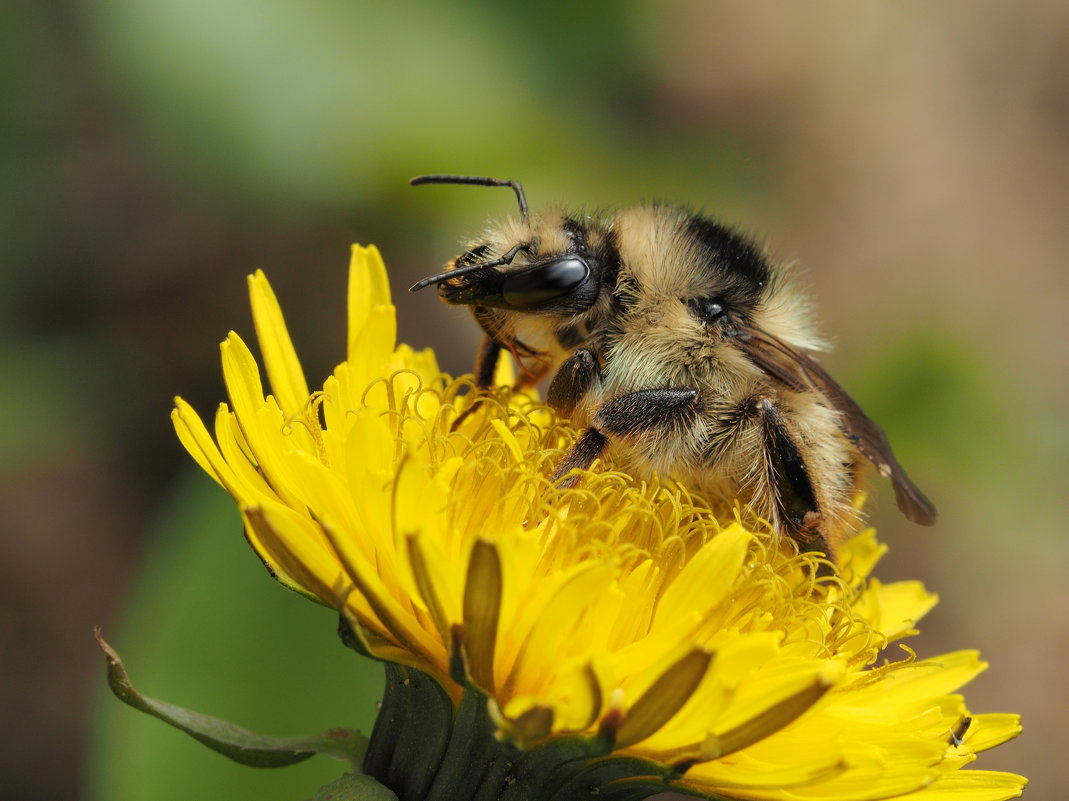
(913, 158)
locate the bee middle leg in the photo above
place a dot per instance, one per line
(642, 411)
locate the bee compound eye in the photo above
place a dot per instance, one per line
(708, 310)
(544, 282)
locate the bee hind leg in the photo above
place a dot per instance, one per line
(796, 501)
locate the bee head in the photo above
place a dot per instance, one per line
(547, 284)
(535, 265)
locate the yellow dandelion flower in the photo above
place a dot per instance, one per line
(543, 643)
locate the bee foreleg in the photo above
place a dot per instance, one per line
(485, 367)
(486, 363)
(573, 381)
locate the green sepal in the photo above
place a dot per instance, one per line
(622, 778)
(352, 640)
(644, 788)
(551, 763)
(229, 739)
(412, 732)
(354, 787)
(475, 758)
(424, 748)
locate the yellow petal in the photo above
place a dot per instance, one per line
(372, 320)
(894, 609)
(289, 553)
(706, 579)
(372, 346)
(974, 785)
(249, 482)
(549, 623)
(435, 585)
(663, 699)
(280, 359)
(914, 685)
(987, 731)
(368, 287)
(482, 607)
(196, 440)
(743, 771)
(859, 555)
(242, 378)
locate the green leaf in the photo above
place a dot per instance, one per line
(229, 739)
(354, 787)
(211, 629)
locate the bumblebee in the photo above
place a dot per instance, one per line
(676, 346)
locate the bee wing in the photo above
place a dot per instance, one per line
(800, 372)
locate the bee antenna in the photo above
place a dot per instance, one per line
(437, 279)
(507, 258)
(472, 180)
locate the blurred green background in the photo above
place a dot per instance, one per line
(913, 158)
